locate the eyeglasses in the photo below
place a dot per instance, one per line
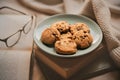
(13, 39)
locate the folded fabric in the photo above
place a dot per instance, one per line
(114, 5)
(46, 6)
(98, 10)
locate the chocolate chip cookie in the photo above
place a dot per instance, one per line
(61, 26)
(67, 35)
(65, 46)
(50, 35)
(83, 40)
(79, 26)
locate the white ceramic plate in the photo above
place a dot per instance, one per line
(94, 28)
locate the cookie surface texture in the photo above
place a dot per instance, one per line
(65, 46)
(50, 35)
(61, 26)
(83, 40)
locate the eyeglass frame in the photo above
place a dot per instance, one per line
(20, 30)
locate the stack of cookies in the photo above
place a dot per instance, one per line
(67, 38)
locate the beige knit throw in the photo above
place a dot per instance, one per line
(98, 10)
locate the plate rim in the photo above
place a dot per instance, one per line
(67, 56)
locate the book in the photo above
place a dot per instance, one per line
(16, 42)
(15, 64)
(66, 68)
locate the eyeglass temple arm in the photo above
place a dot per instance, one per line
(1, 39)
(12, 9)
